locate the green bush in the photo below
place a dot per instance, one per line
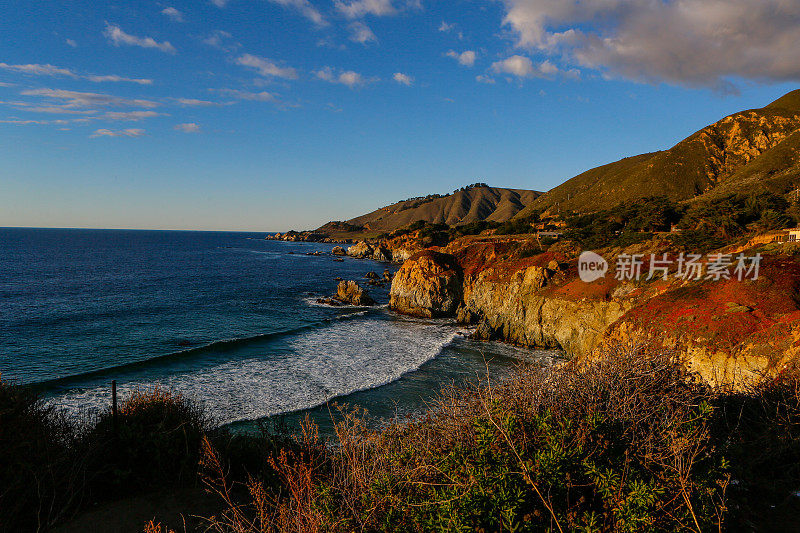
(519, 226)
(697, 241)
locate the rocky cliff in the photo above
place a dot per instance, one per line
(730, 331)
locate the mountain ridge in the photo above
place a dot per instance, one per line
(470, 204)
(723, 156)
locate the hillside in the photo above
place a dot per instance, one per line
(471, 204)
(753, 149)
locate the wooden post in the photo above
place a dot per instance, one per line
(114, 404)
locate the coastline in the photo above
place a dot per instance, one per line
(244, 362)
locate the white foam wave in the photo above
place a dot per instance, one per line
(345, 357)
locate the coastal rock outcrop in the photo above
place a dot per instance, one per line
(400, 255)
(429, 284)
(361, 250)
(338, 250)
(381, 253)
(350, 292)
(519, 311)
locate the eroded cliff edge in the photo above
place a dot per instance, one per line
(732, 332)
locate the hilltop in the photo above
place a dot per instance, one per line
(755, 150)
(470, 204)
(474, 203)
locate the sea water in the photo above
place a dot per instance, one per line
(228, 319)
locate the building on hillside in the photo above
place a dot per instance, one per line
(788, 235)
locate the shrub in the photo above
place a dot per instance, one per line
(519, 226)
(156, 443)
(631, 442)
(473, 228)
(39, 471)
(697, 241)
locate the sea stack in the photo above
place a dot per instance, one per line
(428, 285)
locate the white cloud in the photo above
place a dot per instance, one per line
(219, 3)
(193, 102)
(403, 79)
(222, 40)
(51, 108)
(72, 43)
(40, 122)
(75, 99)
(118, 79)
(189, 127)
(129, 115)
(517, 65)
(523, 67)
(51, 70)
(361, 33)
(484, 79)
(466, 58)
(262, 96)
(118, 37)
(359, 8)
(305, 8)
(39, 70)
(688, 42)
(347, 77)
(173, 14)
(266, 67)
(350, 78)
(446, 27)
(131, 132)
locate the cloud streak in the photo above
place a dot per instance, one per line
(305, 8)
(349, 78)
(117, 37)
(189, 127)
(266, 67)
(262, 96)
(76, 99)
(130, 132)
(39, 70)
(51, 70)
(173, 14)
(359, 8)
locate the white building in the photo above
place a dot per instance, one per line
(788, 235)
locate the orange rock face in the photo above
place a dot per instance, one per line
(731, 332)
(429, 284)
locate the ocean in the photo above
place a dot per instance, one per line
(228, 319)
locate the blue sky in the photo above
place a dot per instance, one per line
(278, 114)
